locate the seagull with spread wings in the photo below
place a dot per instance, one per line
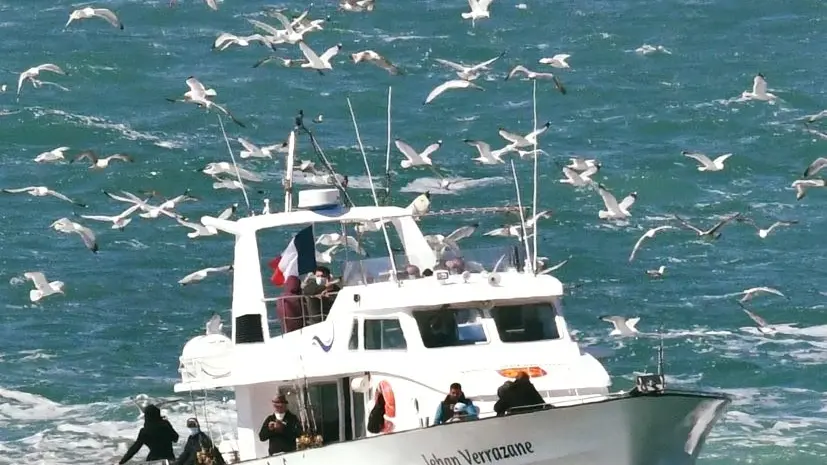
(648, 234)
(469, 73)
(42, 191)
(711, 233)
(89, 12)
(200, 95)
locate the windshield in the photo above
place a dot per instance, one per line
(525, 323)
(450, 327)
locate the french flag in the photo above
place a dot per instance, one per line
(298, 258)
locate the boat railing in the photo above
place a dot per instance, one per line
(299, 311)
(380, 269)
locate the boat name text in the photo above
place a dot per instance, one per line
(479, 457)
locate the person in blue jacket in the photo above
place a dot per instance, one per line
(446, 408)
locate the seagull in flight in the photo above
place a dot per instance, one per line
(101, 163)
(200, 96)
(528, 140)
(656, 273)
(151, 211)
(706, 164)
(214, 325)
(479, 10)
(554, 268)
(752, 292)
(318, 62)
(614, 210)
(582, 164)
(450, 85)
(118, 221)
(469, 73)
(142, 401)
(487, 156)
(763, 233)
(647, 235)
(42, 191)
(199, 230)
(52, 155)
(225, 40)
(252, 150)
(89, 12)
(225, 167)
(416, 159)
(532, 75)
(331, 239)
(557, 61)
(42, 287)
(759, 90)
(817, 165)
(579, 179)
(31, 75)
(357, 5)
(711, 233)
(802, 185)
(760, 323)
(440, 243)
(369, 56)
(622, 325)
(65, 225)
(202, 273)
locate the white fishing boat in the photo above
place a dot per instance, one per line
(378, 337)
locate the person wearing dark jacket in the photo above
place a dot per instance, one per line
(446, 408)
(290, 307)
(321, 291)
(281, 428)
(198, 441)
(519, 393)
(157, 434)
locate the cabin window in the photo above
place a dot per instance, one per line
(525, 323)
(353, 344)
(384, 334)
(450, 327)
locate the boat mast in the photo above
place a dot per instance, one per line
(288, 175)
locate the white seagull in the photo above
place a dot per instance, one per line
(31, 75)
(96, 163)
(202, 273)
(579, 179)
(326, 256)
(752, 292)
(656, 273)
(614, 210)
(331, 239)
(763, 233)
(759, 90)
(42, 191)
(802, 185)
(52, 155)
(224, 167)
(528, 140)
(65, 225)
(582, 164)
(557, 61)
(318, 62)
(199, 230)
(450, 85)
(711, 233)
(414, 158)
(118, 221)
(648, 234)
(150, 211)
(532, 75)
(254, 151)
(214, 325)
(479, 10)
(760, 323)
(622, 325)
(487, 156)
(369, 56)
(200, 95)
(225, 40)
(817, 165)
(42, 287)
(89, 12)
(357, 5)
(440, 243)
(469, 73)
(706, 163)
(647, 49)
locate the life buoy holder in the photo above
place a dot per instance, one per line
(384, 387)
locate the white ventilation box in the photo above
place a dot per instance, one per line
(318, 199)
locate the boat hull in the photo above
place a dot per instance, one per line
(661, 429)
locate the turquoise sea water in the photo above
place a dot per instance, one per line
(69, 364)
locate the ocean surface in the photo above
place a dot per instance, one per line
(70, 364)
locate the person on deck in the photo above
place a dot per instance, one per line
(455, 397)
(290, 306)
(157, 434)
(198, 441)
(321, 292)
(281, 428)
(519, 393)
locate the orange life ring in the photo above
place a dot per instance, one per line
(385, 389)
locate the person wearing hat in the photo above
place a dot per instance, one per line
(198, 441)
(281, 428)
(157, 435)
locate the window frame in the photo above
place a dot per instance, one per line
(481, 313)
(382, 319)
(550, 307)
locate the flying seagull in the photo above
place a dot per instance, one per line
(31, 75)
(42, 191)
(815, 166)
(761, 323)
(142, 401)
(469, 73)
(582, 164)
(89, 12)
(622, 325)
(331, 239)
(202, 273)
(225, 40)
(200, 95)
(450, 85)
(802, 185)
(42, 287)
(614, 210)
(528, 140)
(759, 90)
(763, 233)
(520, 69)
(656, 273)
(97, 163)
(416, 159)
(52, 155)
(556, 267)
(648, 234)
(479, 10)
(487, 156)
(357, 5)
(65, 225)
(711, 233)
(214, 325)
(318, 62)
(579, 179)
(557, 61)
(369, 56)
(440, 243)
(118, 221)
(707, 164)
(752, 292)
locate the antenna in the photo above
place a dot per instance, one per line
(387, 197)
(288, 175)
(322, 157)
(373, 189)
(232, 157)
(660, 356)
(534, 180)
(520, 206)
